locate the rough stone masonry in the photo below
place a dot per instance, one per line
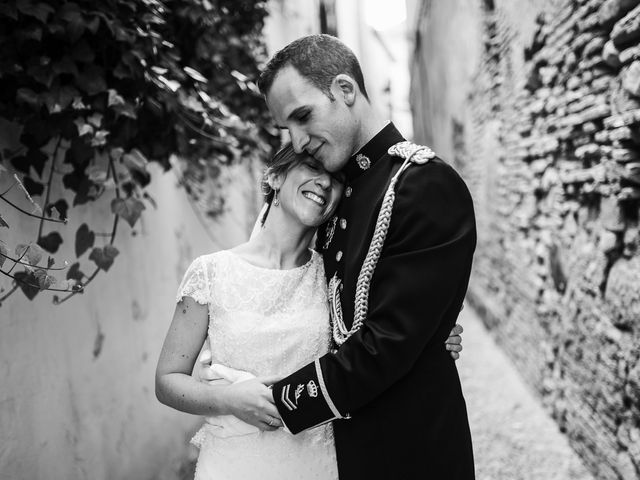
(551, 149)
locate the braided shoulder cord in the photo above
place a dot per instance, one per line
(412, 153)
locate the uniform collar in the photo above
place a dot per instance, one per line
(373, 151)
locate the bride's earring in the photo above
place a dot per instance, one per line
(276, 200)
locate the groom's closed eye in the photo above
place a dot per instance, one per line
(300, 114)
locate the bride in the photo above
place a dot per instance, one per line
(263, 307)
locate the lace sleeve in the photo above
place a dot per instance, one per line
(195, 283)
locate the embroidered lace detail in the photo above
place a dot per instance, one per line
(266, 322)
(195, 283)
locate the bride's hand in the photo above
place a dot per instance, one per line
(252, 402)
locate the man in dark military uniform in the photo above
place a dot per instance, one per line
(398, 255)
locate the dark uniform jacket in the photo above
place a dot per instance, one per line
(392, 384)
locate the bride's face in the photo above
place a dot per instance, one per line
(309, 193)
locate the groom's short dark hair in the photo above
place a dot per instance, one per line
(319, 59)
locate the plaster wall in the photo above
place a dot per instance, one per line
(77, 398)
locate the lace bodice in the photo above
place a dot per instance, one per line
(261, 320)
(266, 322)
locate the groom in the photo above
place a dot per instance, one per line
(398, 253)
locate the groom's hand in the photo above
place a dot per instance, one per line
(454, 342)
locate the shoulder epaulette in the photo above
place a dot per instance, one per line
(418, 154)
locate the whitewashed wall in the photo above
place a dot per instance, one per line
(77, 394)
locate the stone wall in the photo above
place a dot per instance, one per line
(538, 105)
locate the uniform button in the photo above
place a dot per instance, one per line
(347, 192)
(339, 255)
(343, 223)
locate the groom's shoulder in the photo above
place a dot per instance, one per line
(431, 173)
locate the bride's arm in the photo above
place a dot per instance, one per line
(175, 387)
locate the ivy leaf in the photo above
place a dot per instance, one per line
(129, 209)
(83, 127)
(60, 207)
(41, 11)
(97, 174)
(65, 65)
(4, 253)
(28, 96)
(79, 182)
(100, 138)
(114, 98)
(75, 20)
(82, 52)
(91, 80)
(34, 158)
(59, 98)
(103, 257)
(33, 253)
(10, 133)
(42, 73)
(44, 279)
(28, 283)
(196, 75)
(74, 272)
(135, 160)
(84, 239)
(33, 187)
(95, 119)
(36, 133)
(9, 10)
(79, 153)
(126, 110)
(50, 242)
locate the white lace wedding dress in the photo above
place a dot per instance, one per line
(265, 322)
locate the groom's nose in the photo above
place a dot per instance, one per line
(299, 139)
(324, 180)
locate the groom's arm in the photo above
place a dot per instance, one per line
(416, 294)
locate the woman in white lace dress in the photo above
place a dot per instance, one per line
(263, 307)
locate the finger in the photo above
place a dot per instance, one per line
(275, 422)
(454, 348)
(456, 330)
(455, 355)
(264, 426)
(205, 356)
(207, 374)
(270, 379)
(455, 339)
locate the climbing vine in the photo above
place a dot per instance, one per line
(91, 93)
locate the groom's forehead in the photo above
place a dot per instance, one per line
(289, 81)
(291, 91)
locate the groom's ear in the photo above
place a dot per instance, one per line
(347, 88)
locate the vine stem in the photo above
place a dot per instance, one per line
(9, 189)
(29, 265)
(49, 181)
(32, 285)
(114, 229)
(21, 257)
(200, 131)
(31, 214)
(8, 294)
